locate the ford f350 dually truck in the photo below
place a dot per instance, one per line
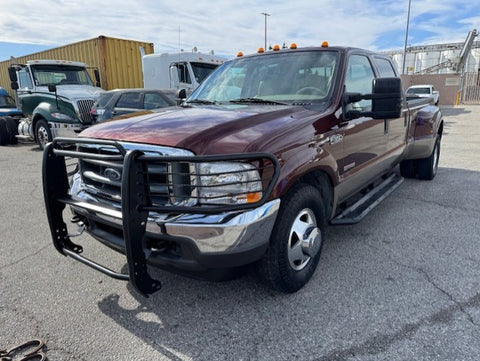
(249, 170)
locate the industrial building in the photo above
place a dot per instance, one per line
(453, 68)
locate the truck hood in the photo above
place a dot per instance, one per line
(71, 91)
(206, 130)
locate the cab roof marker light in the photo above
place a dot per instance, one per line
(325, 44)
(276, 47)
(239, 54)
(260, 50)
(293, 46)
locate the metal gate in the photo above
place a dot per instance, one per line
(471, 88)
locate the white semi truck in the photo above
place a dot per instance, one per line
(177, 70)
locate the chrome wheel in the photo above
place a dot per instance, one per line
(43, 134)
(305, 239)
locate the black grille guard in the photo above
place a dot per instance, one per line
(136, 202)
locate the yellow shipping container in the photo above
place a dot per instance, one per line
(119, 61)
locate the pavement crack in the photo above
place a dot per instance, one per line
(446, 293)
(17, 261)
(429, 279)
(381, 343)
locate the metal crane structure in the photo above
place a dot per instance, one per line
(458, 63)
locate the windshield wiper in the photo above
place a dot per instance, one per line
(256, 101)
(201, 101)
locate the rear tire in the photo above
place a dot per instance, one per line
(296, 240)
(43, 135)
(408, 168)
(12, 128)
(427, 167)
(4, 137)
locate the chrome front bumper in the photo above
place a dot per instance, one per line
(229, 232)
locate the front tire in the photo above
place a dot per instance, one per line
(43, 135)
(296, 241)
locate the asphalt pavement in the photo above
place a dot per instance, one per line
(404, 284)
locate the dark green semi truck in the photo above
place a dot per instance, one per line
(55, 97)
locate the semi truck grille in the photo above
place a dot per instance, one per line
(84, 107)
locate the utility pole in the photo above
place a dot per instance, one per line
(265, 14)
(406, 38)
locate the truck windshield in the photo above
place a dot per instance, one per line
(202, 70)
(289, 77)
(60, 74)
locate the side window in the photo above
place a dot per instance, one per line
(153, 100)
(359, 79)
(24, 80)
(129, 100)
(183, 75)
(385, 68)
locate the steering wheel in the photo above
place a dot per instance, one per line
(309, 90)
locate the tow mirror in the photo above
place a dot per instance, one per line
(387, 98)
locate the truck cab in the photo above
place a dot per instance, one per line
(55, 96)
(177, 70)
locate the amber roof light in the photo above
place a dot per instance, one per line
(325, 44)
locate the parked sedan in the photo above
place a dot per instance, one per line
(123, 101)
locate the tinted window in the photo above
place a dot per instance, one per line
(154, 100)
(103, 99)
(385, 68)
(130, 100)
(359, 79)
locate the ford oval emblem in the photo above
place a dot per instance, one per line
(112, 174)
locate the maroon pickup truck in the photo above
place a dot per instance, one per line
(249, 170)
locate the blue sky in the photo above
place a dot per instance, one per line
(231, 26)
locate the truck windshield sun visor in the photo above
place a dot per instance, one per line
(140, 184)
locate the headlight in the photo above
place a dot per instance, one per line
(228, 183)
(61, 116)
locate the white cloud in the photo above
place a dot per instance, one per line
(230, 26)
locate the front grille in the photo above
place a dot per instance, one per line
(169, 183)
(84, 107)
(163, 179)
